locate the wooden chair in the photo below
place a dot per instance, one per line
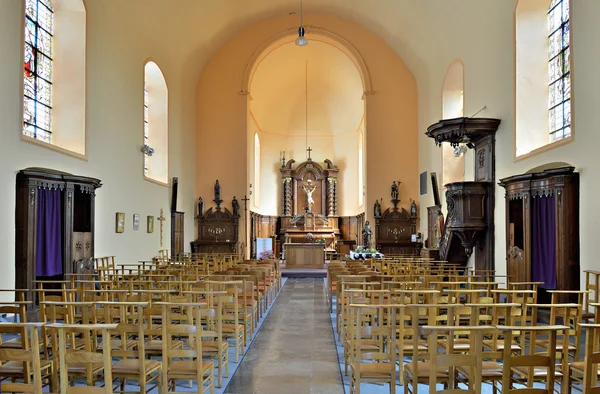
(133, 363)
(74, 341)
(523, 368)
(16, 361)
(365, 297)
(592, 285)
(189, 364)
(379, 364)
(87, 358)
(469, 360)
(419, 369)
(232, 315)
(588, 368)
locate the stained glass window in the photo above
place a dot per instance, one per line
(559, 70)
(37, 94)
(145, 128)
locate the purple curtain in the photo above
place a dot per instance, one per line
(543, 241)
(48, 240)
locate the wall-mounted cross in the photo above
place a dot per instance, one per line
(162, 219)
(309, 149)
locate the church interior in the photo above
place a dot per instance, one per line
(328, 196)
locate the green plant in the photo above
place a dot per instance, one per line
(321, 240)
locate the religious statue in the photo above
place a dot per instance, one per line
(395, 191)
(439, 228)
(236, 206)
(217, 190)
(413, 208)
(309, 188)
(377, 209)
(200, 206)
(367, 234)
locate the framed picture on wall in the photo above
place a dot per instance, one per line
(136, 221)
(120, 222)
(150, 224)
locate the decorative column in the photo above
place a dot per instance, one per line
(287, 196)
(335, 197)
(330, 197)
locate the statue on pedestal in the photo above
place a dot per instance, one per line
(413, 208)
(200, 206)
(236, 206)
(217, 191)
(367, 234)
(395, 191)
(377, 209)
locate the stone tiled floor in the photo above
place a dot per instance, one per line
(294, 352)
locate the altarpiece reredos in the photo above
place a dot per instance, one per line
(309, 201)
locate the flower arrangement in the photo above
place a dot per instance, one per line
(321, 240)
(267, 255)
(362, 249)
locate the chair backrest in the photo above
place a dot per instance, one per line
(592, 358)
(190, 332)
(86, 356)
(451, 359)
(29, 355)
(531, 359)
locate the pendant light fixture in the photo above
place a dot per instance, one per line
(301, 40)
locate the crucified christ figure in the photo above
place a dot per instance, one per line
(309, 188)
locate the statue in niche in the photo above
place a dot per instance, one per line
(395, 190)
(377, 209)
(367, 234)
(413, 208)
(217, 190)
(309, 188)
(200, 207)
(236, 206)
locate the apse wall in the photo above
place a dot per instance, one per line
(485, 44)
(116, 55)
(391, 111)
(301, 97)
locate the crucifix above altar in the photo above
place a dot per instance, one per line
(309, 200)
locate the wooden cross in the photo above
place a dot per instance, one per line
(309, 149)
(162, 219)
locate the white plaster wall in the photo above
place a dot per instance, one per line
(481, 34)
(116, 53)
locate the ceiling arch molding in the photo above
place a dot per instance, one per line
(313, 33)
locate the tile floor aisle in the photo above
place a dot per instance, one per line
(294, 352)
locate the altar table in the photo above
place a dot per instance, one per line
(299, 255)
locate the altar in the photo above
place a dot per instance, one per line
(299, 255)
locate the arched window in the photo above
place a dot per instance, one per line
(54, 75)
(453, 160)
(256, 170)
(543, 75)
(559, 70)
(156, 125)
(37, 84)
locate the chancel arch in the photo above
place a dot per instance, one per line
(303, 97)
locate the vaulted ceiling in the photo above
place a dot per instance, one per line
(207, 24)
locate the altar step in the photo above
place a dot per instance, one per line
(304, 272)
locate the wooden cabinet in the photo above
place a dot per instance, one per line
(77, 201)
(562, 185)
